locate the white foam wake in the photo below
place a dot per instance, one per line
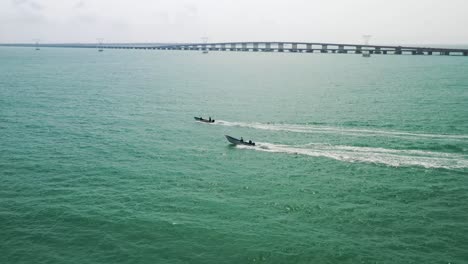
(338, 130)
(389, 157)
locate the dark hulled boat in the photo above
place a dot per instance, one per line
(200, 119)
(236, 141)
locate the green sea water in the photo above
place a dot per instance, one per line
(357, 160)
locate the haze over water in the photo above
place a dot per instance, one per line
(357, 160)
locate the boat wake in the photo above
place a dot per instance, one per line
(339, 130)
(389, 157)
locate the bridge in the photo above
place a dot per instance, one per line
(294, 47)
(309, 47)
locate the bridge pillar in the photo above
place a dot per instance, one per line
(280, 47)
(358, 50)
(309, 48)
(419, 52)
(341, 49)
(233, 46)
(384, 52)
(324, 49)
(465, 53)
(267, 46)
(294, 47)
(429, 52)
(398, 51)
(244, 47)
(255, 47)
(377, 50)
(223, 47)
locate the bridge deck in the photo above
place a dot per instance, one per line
(269, 47)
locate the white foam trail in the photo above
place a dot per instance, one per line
(389, 157)
(337, 130)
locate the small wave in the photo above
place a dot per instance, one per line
(389, 157)
(338, 130)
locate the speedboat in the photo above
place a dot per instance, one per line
(200, 119)
(236, 141)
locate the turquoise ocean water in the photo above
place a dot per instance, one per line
(357, 160)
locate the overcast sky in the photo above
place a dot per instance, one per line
(388, 21)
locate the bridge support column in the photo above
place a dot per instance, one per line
(267, 46)
(280, 47)
(341, 49)
(223, 47)
(358, 50)
(244, 47)
(255, 47)
(377, 50)
(294, 47)
(398, 51)
(384, 52)
(419, 52)
(429, 52)
(309, 48)
(233, 47)
(465, 53)
(324, 49)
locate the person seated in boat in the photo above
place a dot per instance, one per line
(250, 142)
(209, 119)
(241, 140)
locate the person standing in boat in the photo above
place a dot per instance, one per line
(242, 139)
(209, 119)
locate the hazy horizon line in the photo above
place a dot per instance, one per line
(237, 41)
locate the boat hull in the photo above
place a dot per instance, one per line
(236, 141)
(199, 119)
